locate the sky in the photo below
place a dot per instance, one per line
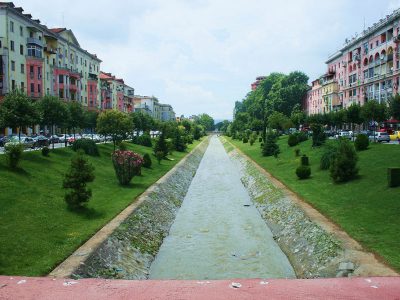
(201, 56)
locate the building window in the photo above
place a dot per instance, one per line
(21, 31)
(22, 68)
(34, 51)
(0, 44)
(12, 46)
(32, 87)
(12, 65)
(21, 49)
(13, 84)
(11, 26)
(22, 86)
(60, 79)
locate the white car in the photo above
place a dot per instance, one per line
(343, 134)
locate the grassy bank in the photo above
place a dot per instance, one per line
(37, 231)
(365, 208)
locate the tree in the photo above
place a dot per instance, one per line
(394, 107)
(354, 115)
(297, 116)
(270, 148)
(344, 164)
(206, 121)
(80, 173)
(279, 121)
(114, 123)
(179, 142)
(374, 111)
(52, 111)
(161, 146)
(76, 116)
(90, 120)
(18, 111)
(141, 122)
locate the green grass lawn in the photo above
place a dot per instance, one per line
(365, 208)
(37, 231)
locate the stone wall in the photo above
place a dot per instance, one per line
(129, 251)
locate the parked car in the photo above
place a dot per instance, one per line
(54, 139)
(395, 136)
(41, 141)
(343, 134)
(27, 142)
(380, 137)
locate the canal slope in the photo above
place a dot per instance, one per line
(218, 233)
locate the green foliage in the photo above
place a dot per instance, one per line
(76, 115)
(141, 122)
(189, 139)
(80, 173)
(145, 140)
(45, 151)
(196, 132)
(13, 153)
(114, 123)
(292, 140)
(270, 147)
(88, 146)
(206, 121)
(159, 155)
(328, 155)
(260, 139)
(354, 114)
(245, 139)
(393, 175)
(304, 161)
(122, 146)
(161, 146)
(344, 164)
(303, 172)
(279, 121)
(301, 136)
(179, 142)
(297, 152)
(394, 107)
(318, 135)
(372, 110)
(147, 161)
(252, 141)
(362, 142)
(53, 111)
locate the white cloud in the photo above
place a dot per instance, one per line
(201, 56)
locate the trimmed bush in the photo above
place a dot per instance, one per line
(303, 172)
(147, 161)
(260, 139)
(301, 136)
(393, 177)
(362, 142)
(270, 148)
(80, 173)
(297, 152)
(252, 141)
(13, 153)
(318, 136)
(292, 140)
(327, 156)
(145, 140)
(344, 164)
(179, 142)
(305, 160)
(126, 164)
(245, 140)
(122, 146)
(160, 156)
(161, 146)
(45, 151)
(87, 145)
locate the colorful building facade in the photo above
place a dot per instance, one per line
(366, 68)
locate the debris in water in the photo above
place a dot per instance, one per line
(374, 286)
(264, 282)
(21, 281)
(236, 285)
(68, 283)
(246, 205)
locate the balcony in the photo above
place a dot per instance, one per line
(92, 77)
(50, 50)
(34, 41)
(73, 87)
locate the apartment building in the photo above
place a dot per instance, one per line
(151, 106)
(166, 112)
(366, 68)
(45, 61)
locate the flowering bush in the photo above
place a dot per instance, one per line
(127, 164)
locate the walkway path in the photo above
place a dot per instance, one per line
(218, 233)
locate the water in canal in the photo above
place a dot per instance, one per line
(218, 233)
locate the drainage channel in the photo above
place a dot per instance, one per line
(218, 233)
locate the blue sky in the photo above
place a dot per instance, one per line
(202, 55)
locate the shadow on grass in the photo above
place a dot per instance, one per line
(88, 213)
(19, 171)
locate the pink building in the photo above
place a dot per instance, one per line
(366, 68)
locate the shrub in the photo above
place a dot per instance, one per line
(45, 151)
(327, 156)
(251, 141)
(127, 164)
(160, 156)
(80, 173)
(344, 164)
(301, 136)
(179, 142)
(147, 161)
(393, 177)
(87, 145)
(303, 172)
(297, 152)
(245, 140)
(362, 142)
(161, 146)
(292, 140)
(145, 140)
(305, 160)
(13, 154)
(189, 139)
(260, 139)
(318, 136)
(270, 147)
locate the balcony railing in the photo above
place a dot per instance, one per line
(34, 41)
